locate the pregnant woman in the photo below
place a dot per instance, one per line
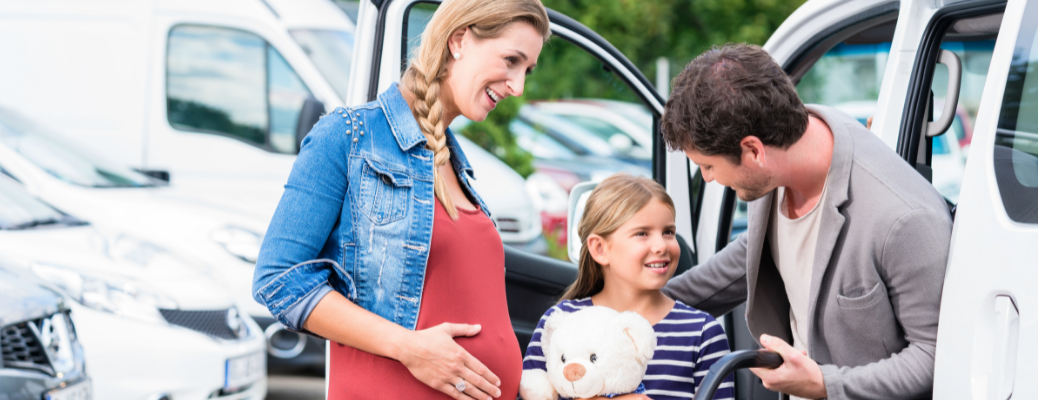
(379, 243)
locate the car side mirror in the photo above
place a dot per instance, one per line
(311, 112)
(578, 197)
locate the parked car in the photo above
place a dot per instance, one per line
(152, 323)
(607, 118)
(40, 354)
(580, 139)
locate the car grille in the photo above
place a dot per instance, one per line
(21, 348)
(210, 322)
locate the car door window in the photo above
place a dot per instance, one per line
(972, 40)
(847, 77)
(232, 83)
(1016, 141)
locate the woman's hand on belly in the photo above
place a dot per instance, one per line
(436, 360)
(431, 355)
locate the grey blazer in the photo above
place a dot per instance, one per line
(877, 279)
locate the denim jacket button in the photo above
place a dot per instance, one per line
(385, 179)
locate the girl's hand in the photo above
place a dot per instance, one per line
(432, 356)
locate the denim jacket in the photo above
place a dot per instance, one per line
(356, 216)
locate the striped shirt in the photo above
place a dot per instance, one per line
(688, 342)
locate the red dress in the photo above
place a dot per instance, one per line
(464, 284)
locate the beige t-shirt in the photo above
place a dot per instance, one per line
(792, 244)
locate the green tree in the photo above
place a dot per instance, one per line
(676, 29)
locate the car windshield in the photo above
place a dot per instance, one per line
(331, 51)
(51, 153)
(19, 210)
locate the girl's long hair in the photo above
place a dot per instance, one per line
(428, 65)
(611, 204)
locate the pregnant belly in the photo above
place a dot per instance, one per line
(355, 374)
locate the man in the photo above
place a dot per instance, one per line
(843, 261)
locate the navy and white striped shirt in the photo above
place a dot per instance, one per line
(688, 342)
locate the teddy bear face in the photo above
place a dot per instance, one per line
(597, 351)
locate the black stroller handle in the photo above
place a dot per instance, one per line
(731, 362)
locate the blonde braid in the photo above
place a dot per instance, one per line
(428, 111)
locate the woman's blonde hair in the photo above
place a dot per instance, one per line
(486, 19)
(611, 204)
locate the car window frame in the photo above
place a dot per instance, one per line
(268, 46)
(915, 114)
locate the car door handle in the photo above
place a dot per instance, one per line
(734, 361)
(951, 100)
(995, 351)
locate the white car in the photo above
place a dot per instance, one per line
(152, 324)
(608, 118)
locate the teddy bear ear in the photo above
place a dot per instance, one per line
(641, 334)
(554, 321)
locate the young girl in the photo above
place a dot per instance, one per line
(629, 253)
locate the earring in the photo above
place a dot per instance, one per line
(457, 56)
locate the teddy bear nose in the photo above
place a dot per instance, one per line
(574, 372)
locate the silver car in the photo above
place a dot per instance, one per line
(41, 355)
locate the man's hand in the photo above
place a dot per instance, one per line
(798, 376)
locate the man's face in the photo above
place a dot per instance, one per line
(749, 181)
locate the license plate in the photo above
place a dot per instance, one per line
(244, 370)
(77, 391)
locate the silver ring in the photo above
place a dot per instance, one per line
(460, 386)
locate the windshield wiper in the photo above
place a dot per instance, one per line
(34, 223)
(47, 221)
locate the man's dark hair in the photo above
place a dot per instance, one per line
(728, 93)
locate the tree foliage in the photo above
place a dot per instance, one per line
(677, 29)
(493, 135)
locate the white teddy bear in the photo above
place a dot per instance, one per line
(596, 351)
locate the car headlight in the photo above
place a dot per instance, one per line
(240, 242)
(117, 296)
(56, 336)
